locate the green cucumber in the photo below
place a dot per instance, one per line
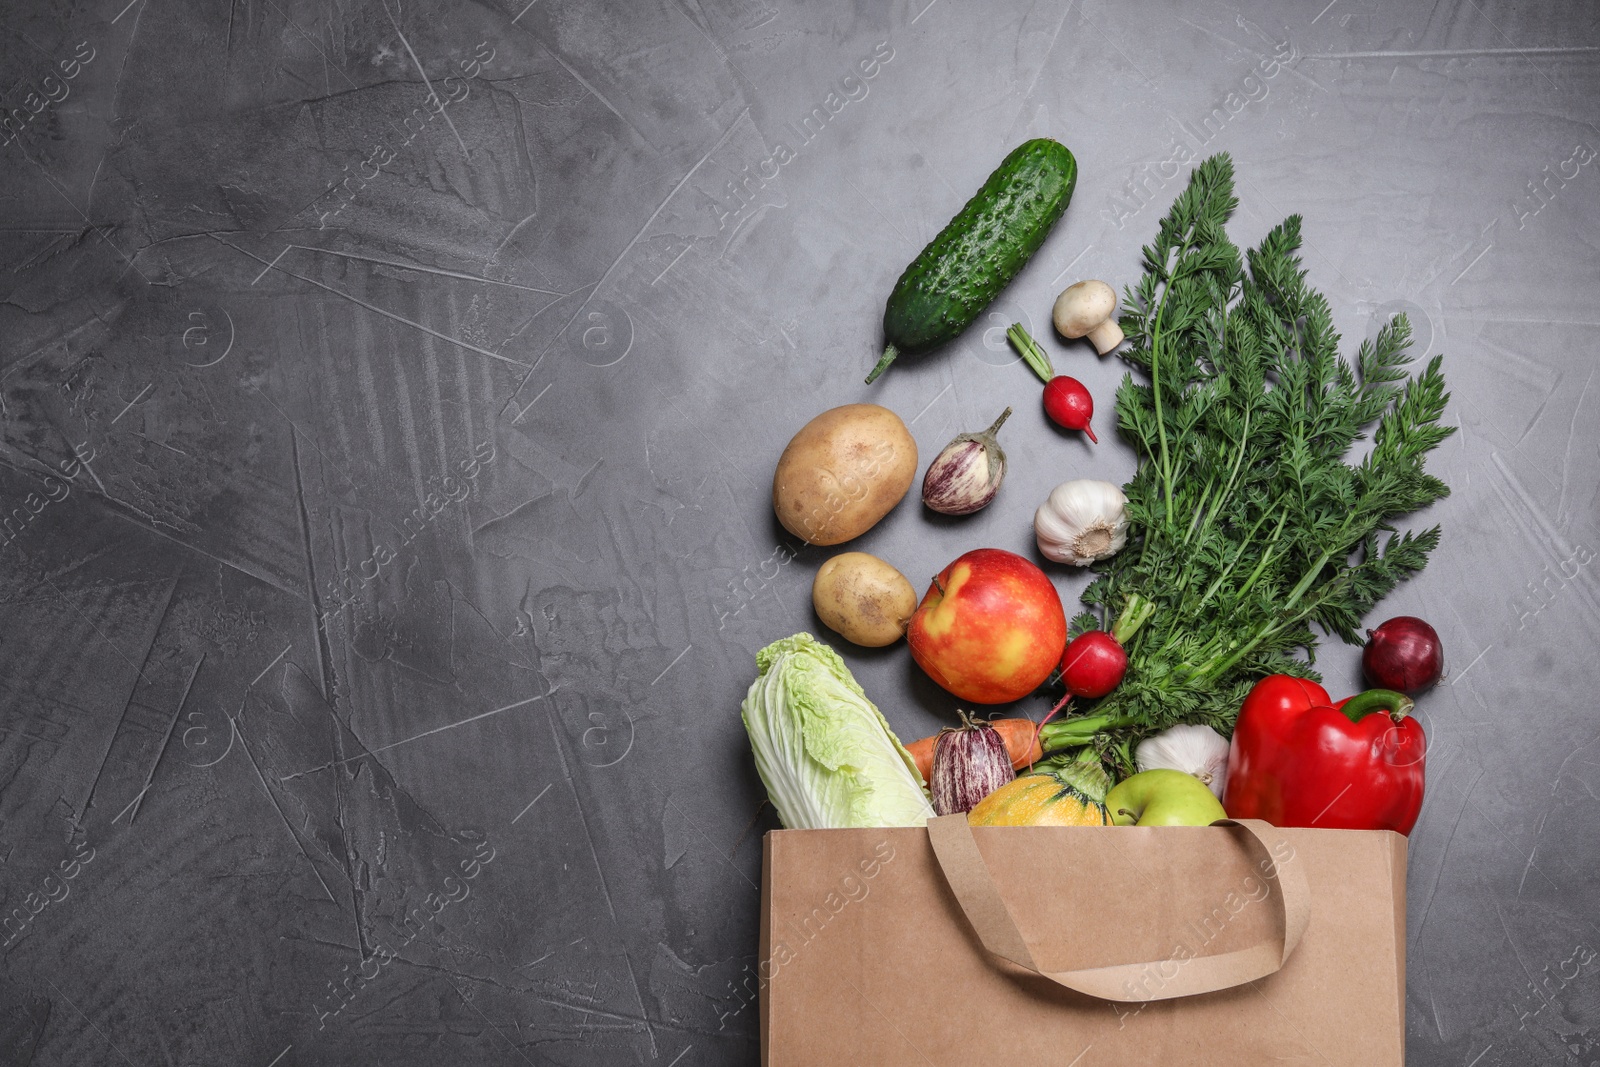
(962, 270)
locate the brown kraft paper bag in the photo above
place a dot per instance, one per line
(1233, 944)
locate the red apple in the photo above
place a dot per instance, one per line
(990, 629)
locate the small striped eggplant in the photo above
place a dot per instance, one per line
(970, 761)
(966, 475)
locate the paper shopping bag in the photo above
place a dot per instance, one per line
(1233, 944)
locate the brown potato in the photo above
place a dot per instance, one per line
(865, 599)
(845, 470)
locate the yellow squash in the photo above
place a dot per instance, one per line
(1073, 795)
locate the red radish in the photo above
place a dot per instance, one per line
(1069, 404)
(969, 762)
(1404, 653)
(1093, 664)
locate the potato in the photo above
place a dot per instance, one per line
(864, 598)
(845, 470)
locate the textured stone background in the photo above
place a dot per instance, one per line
(398, 540)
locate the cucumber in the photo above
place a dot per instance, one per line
(979, 251)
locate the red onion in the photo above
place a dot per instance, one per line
(1093, 664)
(1404, 653)
(969, 762)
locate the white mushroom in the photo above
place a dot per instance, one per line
(1089, 308)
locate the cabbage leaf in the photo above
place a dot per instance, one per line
(824, 751)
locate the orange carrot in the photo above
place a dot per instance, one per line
(1022, 741)
(922, 752)
(1022, 745)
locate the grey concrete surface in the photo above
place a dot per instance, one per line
(387, 484)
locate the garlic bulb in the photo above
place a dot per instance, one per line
(1196, 750)
(1081, 522)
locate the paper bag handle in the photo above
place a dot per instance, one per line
(975, 889)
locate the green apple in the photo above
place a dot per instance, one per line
(1163, 798)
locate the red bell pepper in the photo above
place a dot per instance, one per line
(1299, 759)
